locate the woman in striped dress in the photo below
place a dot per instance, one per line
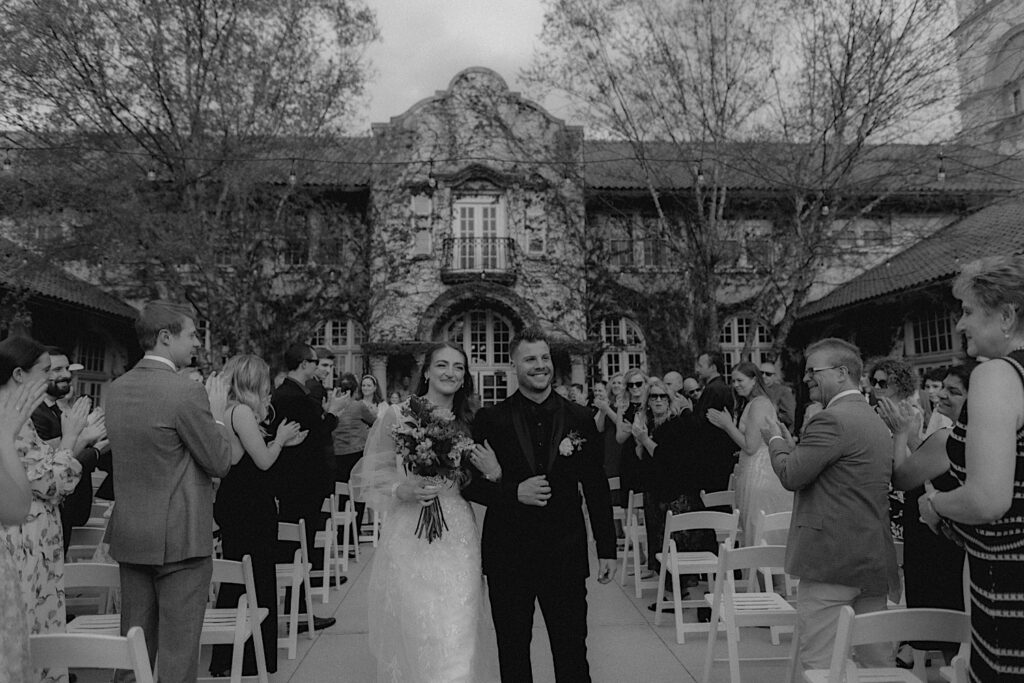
(987, 459)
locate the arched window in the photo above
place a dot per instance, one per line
(344, 338)
(624, 346)
(735, 333)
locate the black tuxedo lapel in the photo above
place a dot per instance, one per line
(557, 429)
(523, 434)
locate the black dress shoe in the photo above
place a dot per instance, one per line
(664, 610)
(319, 623)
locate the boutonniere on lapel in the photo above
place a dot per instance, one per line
(570, 444)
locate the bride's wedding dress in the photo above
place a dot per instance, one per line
(424, 599)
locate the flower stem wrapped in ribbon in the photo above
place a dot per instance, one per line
(432, 445)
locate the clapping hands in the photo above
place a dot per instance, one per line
(720, 418)
(217, 392)
(899, 416)
(17, 406)
(290, 434)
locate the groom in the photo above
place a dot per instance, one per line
(534, 540)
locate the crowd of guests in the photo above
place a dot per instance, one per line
(880, 455)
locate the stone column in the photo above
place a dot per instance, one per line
(379, 369)
(579, 369)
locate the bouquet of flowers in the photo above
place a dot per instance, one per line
(431, 445)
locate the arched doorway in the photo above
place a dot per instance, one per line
(485, 336)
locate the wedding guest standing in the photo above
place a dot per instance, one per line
(840, 544)
(15, 503)
(168, 440)
(301, 474)
(369, 391)
(757, 487)
(245, 509)
(715, 445)
(355, 418)
(36, 544)
(987, 457)
(932, 563)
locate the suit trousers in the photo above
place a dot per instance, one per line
(563, 602)
(817, 610)
(308, 508)
(168, 601)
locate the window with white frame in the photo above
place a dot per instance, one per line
(480, 232)
(624, 346)
(92, 356)
(733, 341)
(344, 338)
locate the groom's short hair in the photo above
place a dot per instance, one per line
(530, 335)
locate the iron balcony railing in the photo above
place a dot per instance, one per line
(478, 258)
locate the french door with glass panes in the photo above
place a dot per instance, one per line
(485, 336)
(479, 234)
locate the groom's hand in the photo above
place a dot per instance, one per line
(535, 491)
(606, 570)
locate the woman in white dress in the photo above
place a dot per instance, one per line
(757, 486)
(425, 598)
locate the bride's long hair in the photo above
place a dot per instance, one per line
(462, 406)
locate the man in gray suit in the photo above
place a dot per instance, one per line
(168, 440)
(840, 544)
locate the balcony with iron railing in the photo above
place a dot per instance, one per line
(464, 259)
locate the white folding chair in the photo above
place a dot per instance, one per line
(93, 652)
(84, 542)
(887, 626)
(635, 546)
(677, 563)
(326, 540)
(372, 521)
(719, 499)
(235, 625)
(99, 515)
(736, 610)
(344, 517)
(294, 575)
(89, 586)
(619, 516)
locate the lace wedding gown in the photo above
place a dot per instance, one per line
(757, 486)
(425, 599)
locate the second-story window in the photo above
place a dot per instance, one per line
(480, 233)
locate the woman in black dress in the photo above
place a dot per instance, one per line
(932, 564)
(245, 508)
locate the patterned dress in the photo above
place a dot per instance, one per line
(36, 546)
(996, 556)
(14, 659)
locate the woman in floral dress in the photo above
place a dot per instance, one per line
(35, 546)
(16, 404)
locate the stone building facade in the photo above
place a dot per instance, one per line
(990, 44)
(482, 211)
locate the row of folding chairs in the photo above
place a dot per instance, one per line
(232, 625)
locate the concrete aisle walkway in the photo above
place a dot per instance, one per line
(624, 645)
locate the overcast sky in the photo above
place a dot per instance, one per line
(424, 43)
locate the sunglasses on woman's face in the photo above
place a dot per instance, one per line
(634, 385)
(880, 383)
(657, 397)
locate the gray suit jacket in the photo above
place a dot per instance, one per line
(840, 472)
(166, 447)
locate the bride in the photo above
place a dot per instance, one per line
(425, 598)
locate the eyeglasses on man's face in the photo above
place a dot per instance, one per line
(810, 372)
(768, 373)
(692, 393)
(634, 385)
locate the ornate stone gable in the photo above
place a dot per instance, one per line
(477, 185)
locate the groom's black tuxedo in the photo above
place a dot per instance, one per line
(533, 553)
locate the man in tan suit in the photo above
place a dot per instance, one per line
(840, 544)
(168, 440)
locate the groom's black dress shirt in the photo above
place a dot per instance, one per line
(540, 419)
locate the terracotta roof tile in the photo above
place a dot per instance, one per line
(996, 229)
(21, 268)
